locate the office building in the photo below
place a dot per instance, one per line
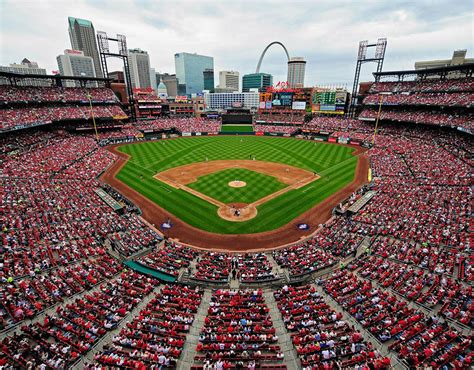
(139, 64)
(153, 82)
(248, 100)
(82, 36)
(229, 80)
(75, 63)
(208, 76)
(171, 83)
(190, 72)
(296, 70)
(26, 68)
(459, 57)
(258, 81)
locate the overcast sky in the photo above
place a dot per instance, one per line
(325, 33)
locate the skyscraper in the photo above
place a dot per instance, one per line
(208, 76)
(258, 81)
(296, 69)
(229, 80)
(171, 83)
(139, 62)
(75, 63)
(190, 71)
(82, 36)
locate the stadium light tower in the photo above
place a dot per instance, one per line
(104, 52)
(362, 58)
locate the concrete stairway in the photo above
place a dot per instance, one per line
(192, 339)
(284, 340)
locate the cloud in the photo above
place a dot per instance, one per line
(235, 33)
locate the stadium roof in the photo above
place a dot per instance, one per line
(468, 67)
(45, 77)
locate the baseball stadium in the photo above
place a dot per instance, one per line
(287, 227)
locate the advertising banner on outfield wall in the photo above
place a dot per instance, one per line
(259, 133)
(355, 142)
(332, 140)
(342, 140)
(198, 134)
(186, 134)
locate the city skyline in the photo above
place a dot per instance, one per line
(326, 34)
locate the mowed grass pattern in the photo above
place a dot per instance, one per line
(236, 128)
(334, 163)
(216, 185)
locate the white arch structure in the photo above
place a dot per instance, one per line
(265, 50)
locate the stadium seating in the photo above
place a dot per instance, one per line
(192, 124)
(320, 336)
(157, 334)
(238, 328)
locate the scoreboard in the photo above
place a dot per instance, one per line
(332, 102)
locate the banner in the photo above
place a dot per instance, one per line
(298, 105)
(332, 140)
(186, 134)
(198, 134)
(259, 133)
(262, 105)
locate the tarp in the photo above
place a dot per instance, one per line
(149, 271)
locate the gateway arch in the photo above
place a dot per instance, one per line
(265, 50)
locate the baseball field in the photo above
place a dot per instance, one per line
(269, 181)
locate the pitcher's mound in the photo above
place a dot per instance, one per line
(237, 184)
(237, 212)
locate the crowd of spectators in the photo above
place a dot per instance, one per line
(421, 116)
(253, 268)
(274, 128)
(303, 258)
(169, 259)
(187, 125)
(426, 288)
(387, 317)
(280, 118)
(463, 99)
(58, 340)
(12, 117)
(424, 86)
(156, 336)
(213, 266)
(429, 95)
(37, 94)
(320, 335)
(50, 212)
(238, 331)
(26, 297)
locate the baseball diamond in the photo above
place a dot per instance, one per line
(187, 179)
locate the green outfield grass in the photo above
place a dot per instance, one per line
(334, 163)
(216, 185)
(236, 128)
